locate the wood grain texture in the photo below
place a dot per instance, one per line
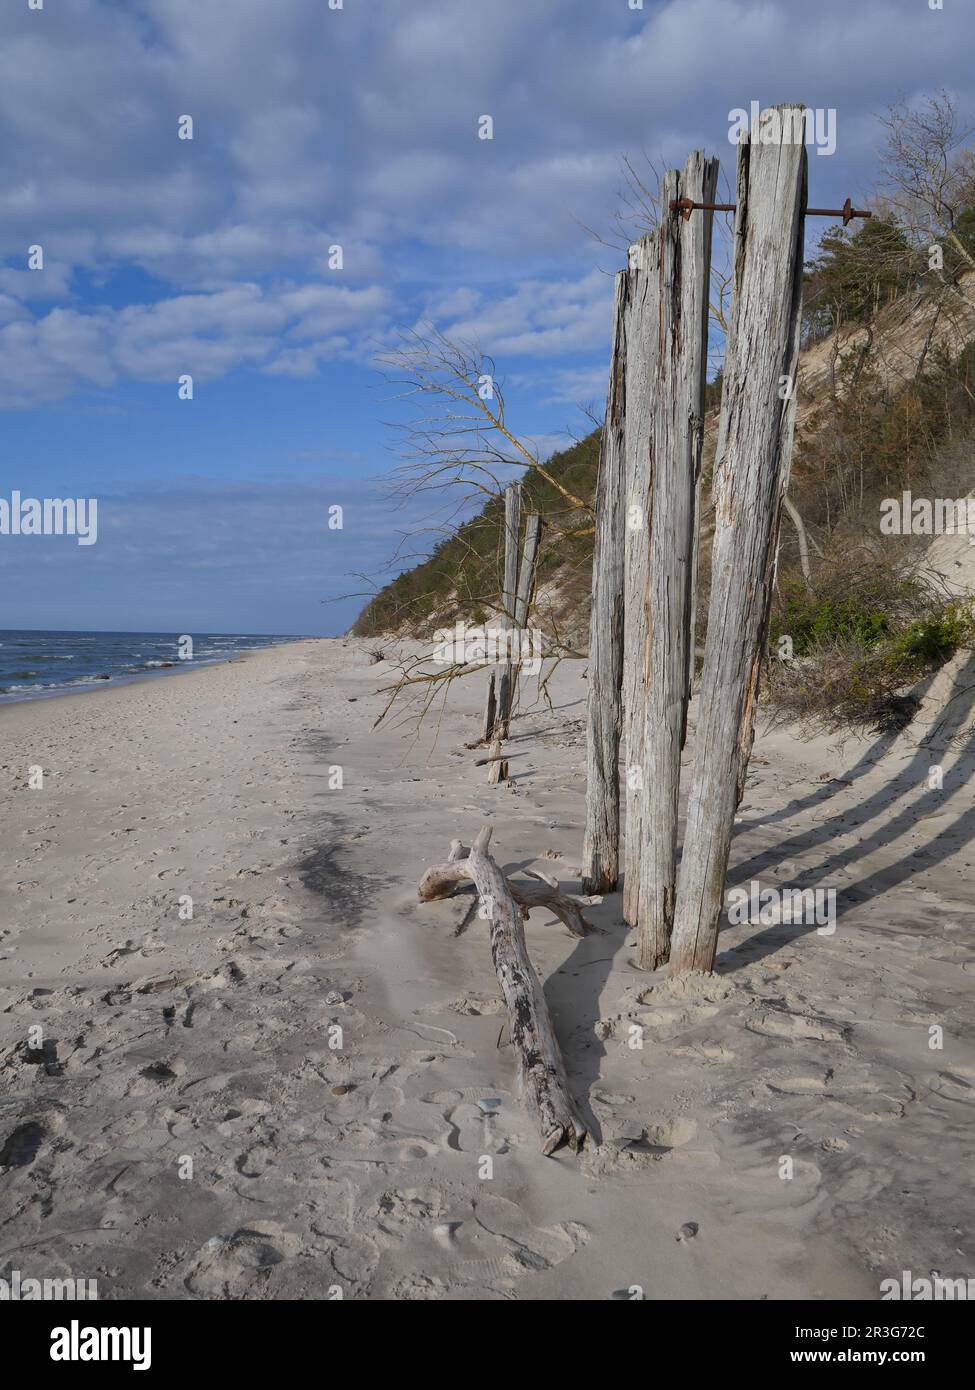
(508, 601)
(441, 880)
(491, 706)
(526, 571)
(601, 839)
(751, 477)
(675, 471)
(544, 1085)
(523, 597)
(642, 348)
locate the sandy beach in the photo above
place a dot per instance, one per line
(277, 1097)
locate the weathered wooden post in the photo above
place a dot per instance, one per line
(619, 623)
(675, 472)
(526, 574)
(642, 347)
(751, 477)
(491, 707)
(519, 584)
(512, 521)
(601, 841)
(509, 687)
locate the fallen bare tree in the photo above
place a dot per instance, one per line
(441, 880)
(544, 1084)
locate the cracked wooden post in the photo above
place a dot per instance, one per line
(523, 597)
(512, 526)
(642, 346)
(544, 1084)
(751, 477)
(491, 708)
(675, 468)
(512, 523)
(601, 839)
(526, 574)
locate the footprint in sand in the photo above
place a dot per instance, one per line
(672, 1133)
(399, 1212)
(797, 1026)
(128, 949)
(164, 1072)
(665, 1022)
(704, 1051)
(861, 1185)
(764, 1190)
(416, 1288)
(256, 1161)
(484, 1245)
(473, 1005)
(955, 1086)
(442, 1098)
(237, 1266)
(22, 1145)
(633, 1145)
(798, 1085)
(501, 1243)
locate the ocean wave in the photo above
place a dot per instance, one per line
(54, 685)
(30, 657)
(43, 656)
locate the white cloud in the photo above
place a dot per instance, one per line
(262, 549)
(358, 126)
(541, 318)
(205, 335)
(577, 386)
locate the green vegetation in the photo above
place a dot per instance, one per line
(855, 274)
(809, 620)
(462, 578)
(858, 643)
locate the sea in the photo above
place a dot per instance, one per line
(38, 664)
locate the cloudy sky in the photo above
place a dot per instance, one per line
(357, 126)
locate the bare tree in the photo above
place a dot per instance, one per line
(460, 436)
(929, 178)
(456, 444)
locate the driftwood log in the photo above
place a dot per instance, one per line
(751, 476)
(441, 880)
(544, 1085)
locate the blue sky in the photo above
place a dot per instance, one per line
(357, 126)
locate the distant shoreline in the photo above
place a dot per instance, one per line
(187, 667)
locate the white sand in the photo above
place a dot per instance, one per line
(209, 1039)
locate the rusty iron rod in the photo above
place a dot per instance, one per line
(685, 206)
